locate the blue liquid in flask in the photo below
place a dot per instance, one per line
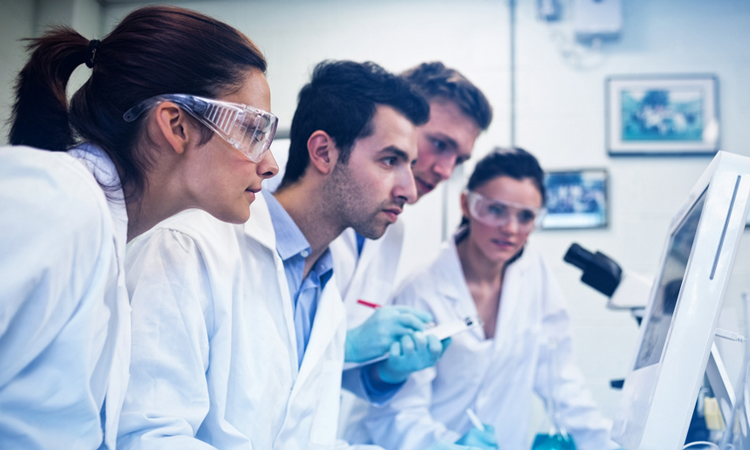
(557, 441)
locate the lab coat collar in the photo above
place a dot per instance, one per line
(330, 310)
(260, 225)
(451, 283)
(389, 243)
(260, 228)
(105, 173)
(289, 239)
(449, 273)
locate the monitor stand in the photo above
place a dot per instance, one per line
(724, 393)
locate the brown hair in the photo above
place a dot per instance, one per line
(437, 82)
(513, 162)
(341, 99)
(154, 50)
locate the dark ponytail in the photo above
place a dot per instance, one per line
(154, 50)
(40, 113)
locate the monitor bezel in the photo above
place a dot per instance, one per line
(657, 400)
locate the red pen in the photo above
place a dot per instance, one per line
(370, 304)
(374, 305)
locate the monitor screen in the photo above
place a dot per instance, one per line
(675, 265)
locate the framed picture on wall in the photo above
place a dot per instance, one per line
(662, 115)
(576, 199)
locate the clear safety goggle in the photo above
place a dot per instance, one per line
(496, 213)
(249, 130)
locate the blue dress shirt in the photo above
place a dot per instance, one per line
(293, 248)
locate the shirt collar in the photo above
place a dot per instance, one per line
(324, 267)
(289, 239)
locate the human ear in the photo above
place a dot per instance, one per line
(174, 125)
(322, 151)
(465, 204)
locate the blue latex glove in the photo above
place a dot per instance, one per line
(412, 353)
(480, 439)
(379, 332)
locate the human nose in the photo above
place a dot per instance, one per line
(512, 225)
(406, 187)
(267, 167)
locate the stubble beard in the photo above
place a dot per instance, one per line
(350, 204)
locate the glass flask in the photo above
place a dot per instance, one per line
(553, 435)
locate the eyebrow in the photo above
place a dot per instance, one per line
(449, 140)
(400, 154)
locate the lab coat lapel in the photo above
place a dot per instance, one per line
(383, 252)
(260, 228)
(452, 284)
(345, 261)
(369, 250)
(354, 269)
(328, 317)
(514, 295)
(449, 275)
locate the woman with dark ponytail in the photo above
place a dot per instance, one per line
(173, 116)
(490, 270)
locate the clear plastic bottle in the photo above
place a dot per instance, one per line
(555, 437)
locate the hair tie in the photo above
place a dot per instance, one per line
(91, 52)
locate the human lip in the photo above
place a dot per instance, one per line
(251, 191)
(424, 186)
(502, 243)
(392, 213)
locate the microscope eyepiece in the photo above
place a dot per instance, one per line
(599, 270)
(579, 257)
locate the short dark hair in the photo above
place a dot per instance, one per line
(511, 162)
(437, 82)
(154, 50)
(341, 99)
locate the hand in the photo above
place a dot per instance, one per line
(484, 440)
(380, 331)
(412, 353)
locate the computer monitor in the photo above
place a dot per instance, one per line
(678, 330)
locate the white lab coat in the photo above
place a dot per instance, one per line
(64, 318)
(496, 377)
(214, 361)
(370, 276)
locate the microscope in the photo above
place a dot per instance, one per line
(624, 289)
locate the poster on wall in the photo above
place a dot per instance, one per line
(576, 199)
(662, 115)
